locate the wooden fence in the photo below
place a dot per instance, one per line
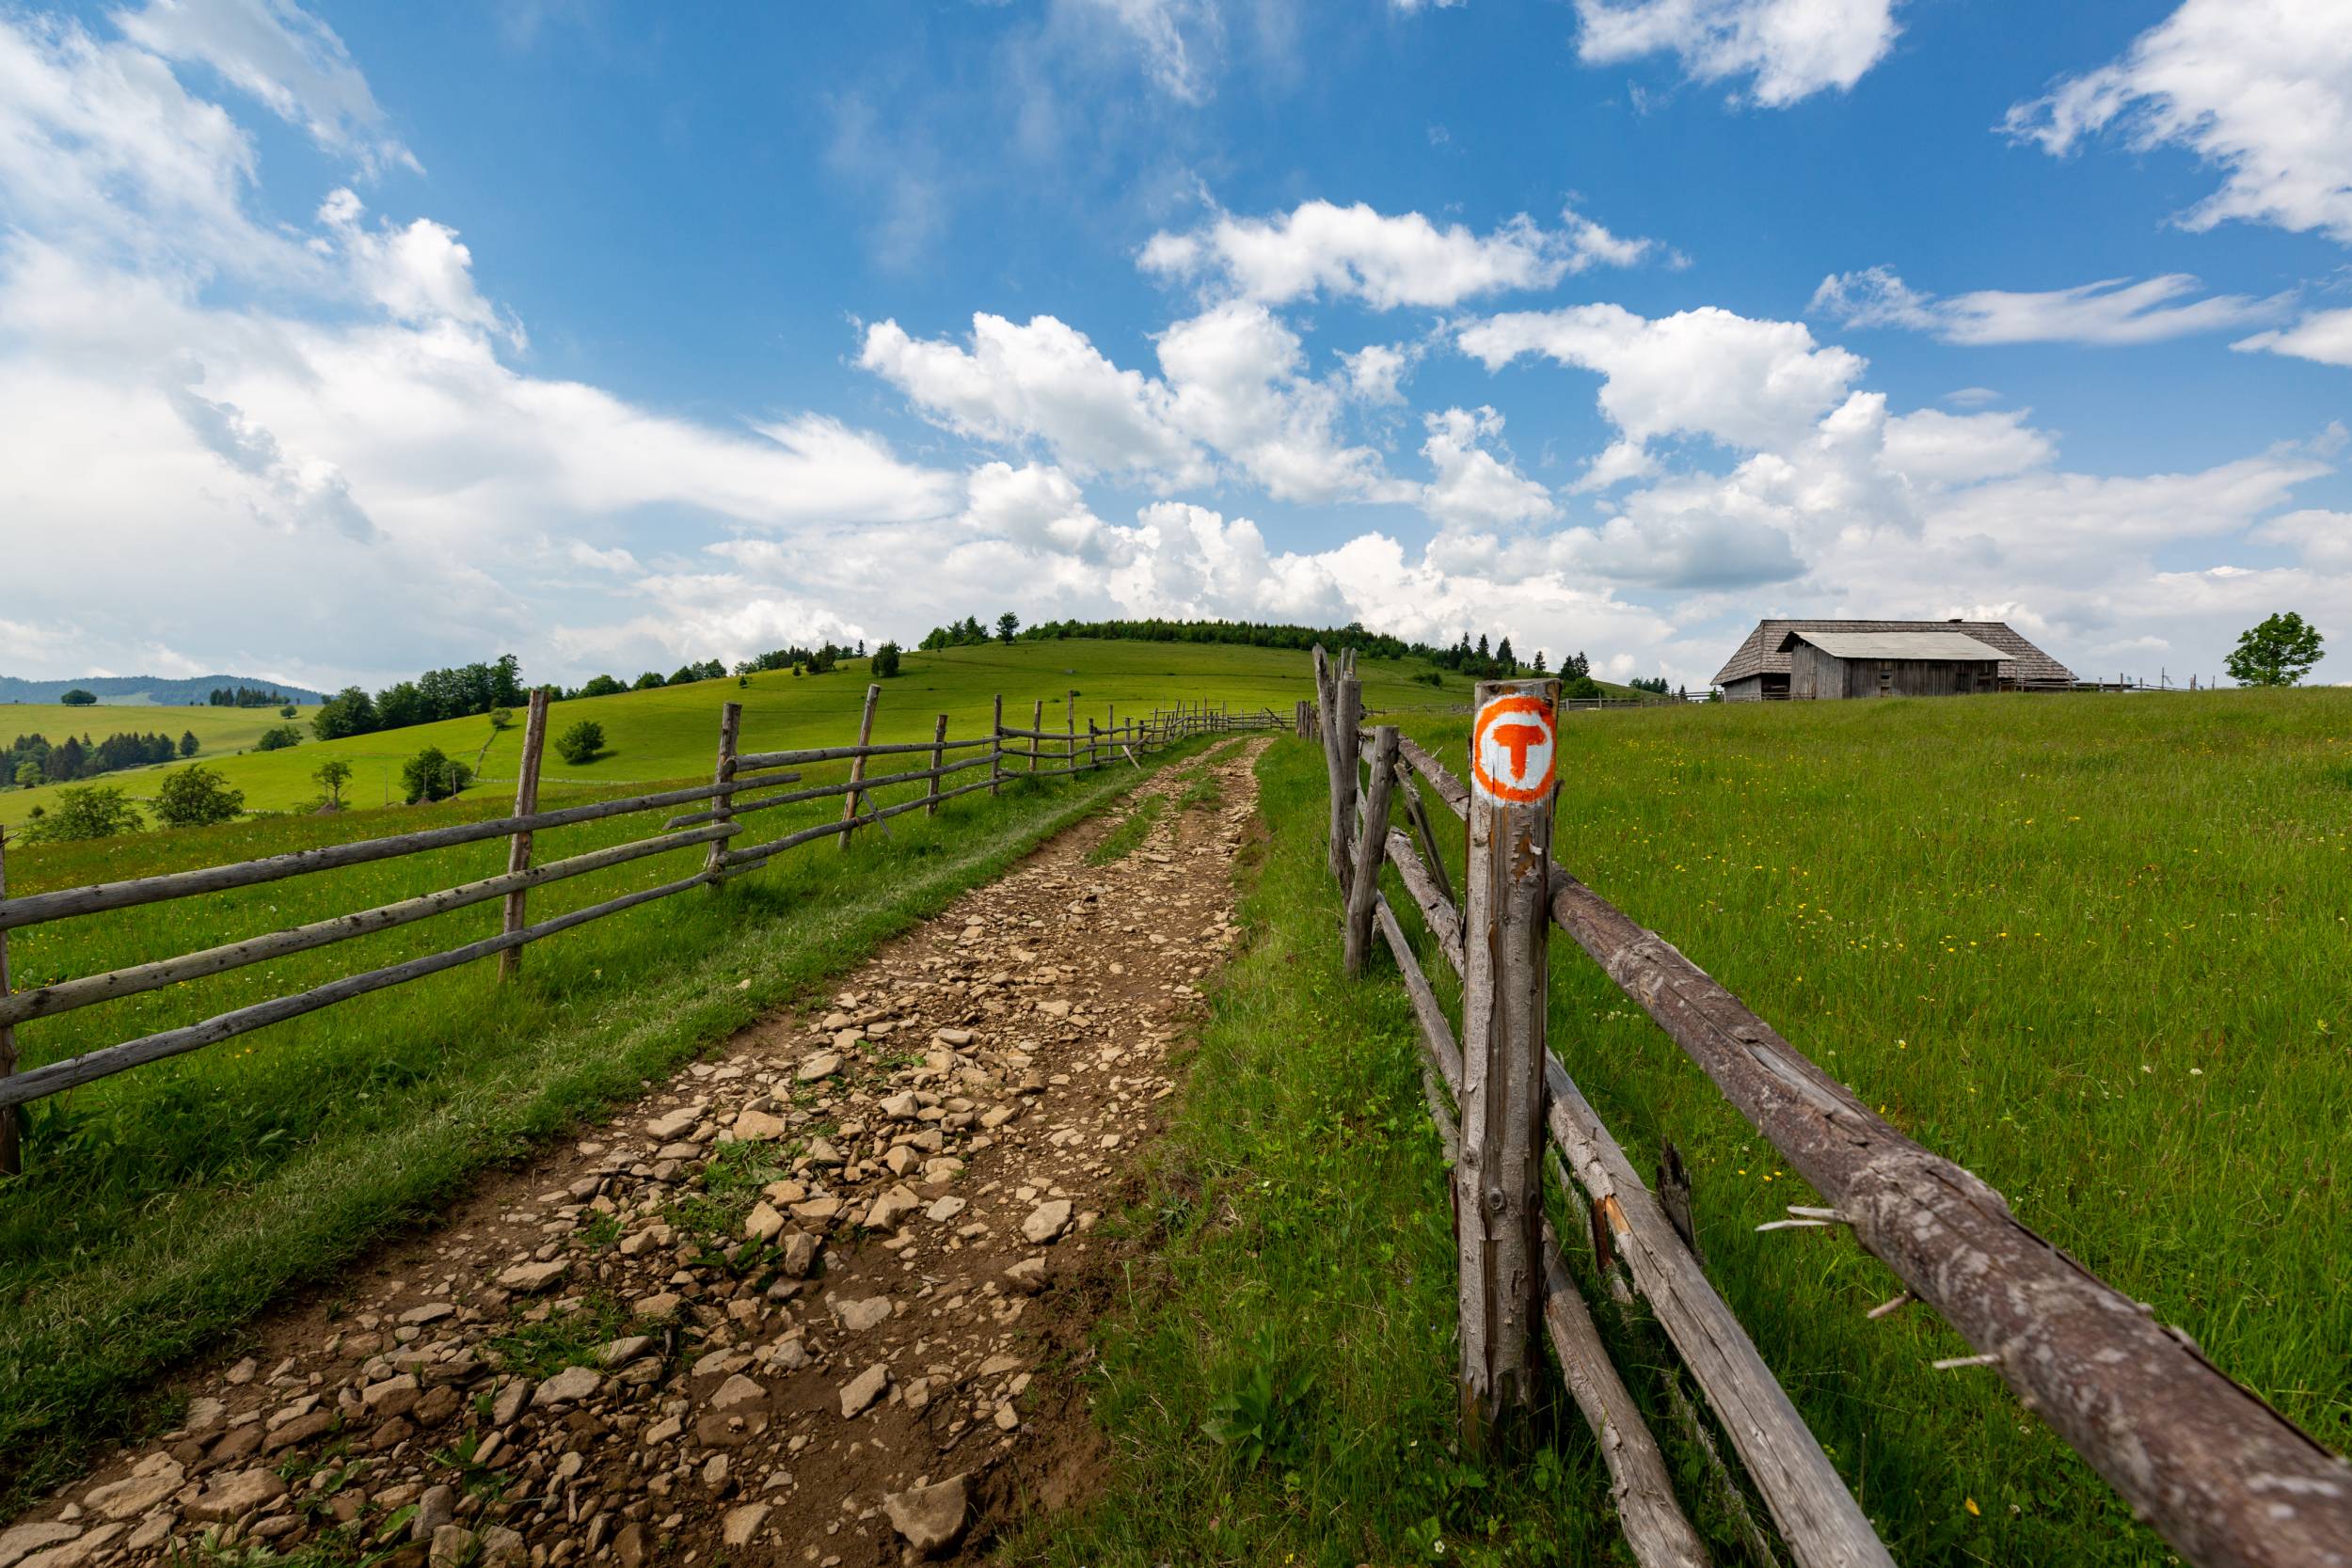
(743, 785)
(2219, 1474)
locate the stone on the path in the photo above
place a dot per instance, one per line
(676, 1125)
(1029, 1276)
(763, 1223)
(568, 1387)
(930, 1518)
(21, 1541)
(452, 1545)
(892, 1207)
(952, 1038)
(741, 1525)
(758, 1127)
(659, 1308)
(73, 1553)
(799, 1254)
(237, 1494)
(531, 1278)
(620, 1353)
(823, 1065)
(135, 1493)
(502, 1548)
(945, 1209)
(435, 1508)
(509, 1401)
(1046, 1221)
(864, 1389)
(859, 1316)
(737, 1392)
(901, 1106)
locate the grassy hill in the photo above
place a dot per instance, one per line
(671, 732)
(147, 690)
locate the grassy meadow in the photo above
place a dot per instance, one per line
(219, 731)
(2094, 948)
(671, 732)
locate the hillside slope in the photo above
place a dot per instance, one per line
(147, 690)
(671, 732)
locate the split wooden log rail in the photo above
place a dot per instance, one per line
(2225, 1480)
(743, 784)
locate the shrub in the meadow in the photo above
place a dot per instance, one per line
(195, 797)
(90, 811)
(582, 742)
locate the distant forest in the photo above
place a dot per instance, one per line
(195, 690)
(33, 759)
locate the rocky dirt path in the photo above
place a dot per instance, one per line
(811, 1302)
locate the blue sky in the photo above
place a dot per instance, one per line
(340, 341)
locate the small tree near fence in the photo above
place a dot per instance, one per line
(196, 797)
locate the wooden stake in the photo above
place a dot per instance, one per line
(729, 764)
(1497, 1184)
(857, 764)
(526, 801)
(1070, 720)
(11, 1153)
(938, 753)
(1037, 723)
(1370, 849)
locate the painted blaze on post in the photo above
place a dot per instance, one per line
(1512, 748)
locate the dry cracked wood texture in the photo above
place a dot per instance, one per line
(825, 1296)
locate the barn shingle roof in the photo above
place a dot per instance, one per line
(1760, 655)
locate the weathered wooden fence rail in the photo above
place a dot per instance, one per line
(745, 783)
(2228, 1481)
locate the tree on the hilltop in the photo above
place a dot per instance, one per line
(1006, 624)
(350, 711)
(195, 797)
(582, 742)
(279, 738)
(2280, 652)
(601, 685)
(648, 681)
(886, 660)
(1539, 662)
(501, 718)
(92, 811)
(1481, 654)
(189, 745)
(1583, 687)
(330, 776)
(79, 698)
(288, 711)
(1503, 657)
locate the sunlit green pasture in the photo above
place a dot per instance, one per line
(217, 731)
(2094, 948)
(672, 732)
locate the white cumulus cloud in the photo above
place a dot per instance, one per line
(1786, 50)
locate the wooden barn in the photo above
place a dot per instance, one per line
(1818, 660)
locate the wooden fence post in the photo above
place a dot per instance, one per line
(1498, 1182)
(939, 760)
(1340, 782)
(526, 801)
(1069, 722)
(723, 806)
(1094, 747)
(1036, 727)
(11, 1153)
(1371, 850)
(997, 752)
(857, 764)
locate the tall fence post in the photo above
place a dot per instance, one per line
(1069, 722)
(1498, 1181)
(1340, 777)
(723, 806)
(1371, 850)
(857, 764)
(526, 801)
(939, 760)
(11, 1153)
(997, 752)
(1036, 728)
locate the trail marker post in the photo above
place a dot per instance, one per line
(1498, 1181)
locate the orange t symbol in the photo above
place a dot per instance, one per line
(1516, 740)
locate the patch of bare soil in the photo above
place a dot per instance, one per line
(823, 1300)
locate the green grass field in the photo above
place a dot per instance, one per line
(672, 732)
(2094, 948)
(219, 731)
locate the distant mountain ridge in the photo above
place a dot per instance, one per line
(153, 689)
